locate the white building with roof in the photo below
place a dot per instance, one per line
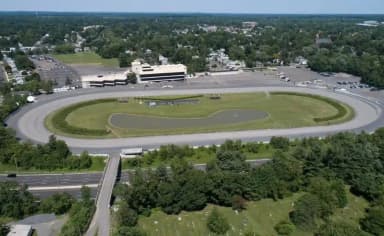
(146, 73)
(104, 80)
(20, 230)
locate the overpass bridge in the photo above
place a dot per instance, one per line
(100, 224)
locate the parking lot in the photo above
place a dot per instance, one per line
(51, 69)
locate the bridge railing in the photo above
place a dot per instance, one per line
(102, 178)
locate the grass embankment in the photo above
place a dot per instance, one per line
(98, 164)
(260, 217)
(285, 110)
(343, 111)
(59, 120)
(86, 58)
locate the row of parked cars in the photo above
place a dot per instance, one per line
(353, 85)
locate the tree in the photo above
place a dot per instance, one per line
(4, 229)
(231, 161)
(238, 203)
(280, 143)
(129, 231)
(64, 49)
(332, 194)
(127, 216)
(284, 228)
(374, 221)
(132, 78)
(58, 203)
(307, 210)
(217, 223)
(339, 229)
(23, 63)
(16, 201)
(85, 194)
(124, 60)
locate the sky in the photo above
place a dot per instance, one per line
(202, 6)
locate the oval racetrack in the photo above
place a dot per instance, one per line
(29, 122)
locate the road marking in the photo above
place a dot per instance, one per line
(61, 187)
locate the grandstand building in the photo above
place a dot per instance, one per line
(104, 80)
(146, 73)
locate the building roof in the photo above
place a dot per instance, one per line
(101, 78)
(20, 230)
(131, 151)
(146, 69)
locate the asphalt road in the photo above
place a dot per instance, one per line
(55, 179)
(29, 122)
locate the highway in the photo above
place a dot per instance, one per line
(29, 122)
(45, 185)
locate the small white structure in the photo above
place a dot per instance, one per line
(31, 99)
(131, 152)
(20, 230)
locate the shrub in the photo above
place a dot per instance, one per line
(217, 223)
(238, 203)
(284, 228)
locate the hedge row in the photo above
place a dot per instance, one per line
(168, 99)
(59, 119)
(341, 110)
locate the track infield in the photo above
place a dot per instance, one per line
(150, 116)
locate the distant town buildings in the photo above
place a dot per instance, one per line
(85, 28)
(249, 24)
(208, 28)
(220, 61)
(370, 23)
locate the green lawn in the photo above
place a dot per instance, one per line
(98, 165)
(260, 217)
(284, 111)
(86, 58)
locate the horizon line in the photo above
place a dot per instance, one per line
(180, 12)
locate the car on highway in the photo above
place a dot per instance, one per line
(11, 175)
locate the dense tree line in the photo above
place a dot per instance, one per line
(351, 48)
(80, 215)
(23, 63)
(17, 202)
(171, 152)
(319, 168)
(51, 156)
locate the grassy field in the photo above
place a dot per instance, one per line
(86, 58)
(98, 165)
(284, 111)
(260, 217)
